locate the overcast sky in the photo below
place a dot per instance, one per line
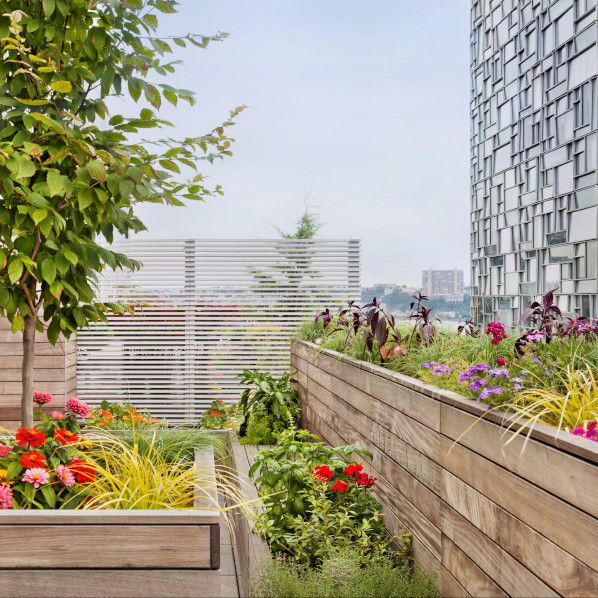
(364, 102)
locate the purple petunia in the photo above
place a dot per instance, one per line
(472, 371)
(493, 390)
(499, 373)
(441, 370)
(429, 364)
(477, 384)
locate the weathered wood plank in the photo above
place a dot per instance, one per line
(568, 527)
(465, 571)
(506, 571)
(563, 572)
(106, 546)
(110, 583)
(560, 473)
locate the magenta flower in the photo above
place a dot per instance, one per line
(58, 415)
(78, 407)
(65, 475)
(4, 450)
(42, 398)
(5, 497)
(36, 476)
(590, 432)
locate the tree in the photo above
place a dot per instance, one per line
(68, 184)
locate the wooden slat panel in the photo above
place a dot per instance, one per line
(110, 583)
(562, 474)
(476, 582)
(568, 527)
(507, 572)
(105, 546)
(567, 575)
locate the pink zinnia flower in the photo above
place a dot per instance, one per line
(65, 475)
(5, 497)
(41, 398)
(36, 476)
(58, 415)
(501, 360)
(4, 450)
(78, 407)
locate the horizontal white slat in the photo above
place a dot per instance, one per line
(205, 309)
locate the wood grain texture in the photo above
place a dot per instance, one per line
(109, 583)
(490, 520)
(106, 546)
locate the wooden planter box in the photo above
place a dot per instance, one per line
(251, 551)
(127, 553)
(492, 520)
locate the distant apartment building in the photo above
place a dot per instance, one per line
(447, 284)
(534, 156)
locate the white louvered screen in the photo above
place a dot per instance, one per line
(205, 309)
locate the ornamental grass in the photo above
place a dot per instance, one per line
(143, 475)
(570, 403)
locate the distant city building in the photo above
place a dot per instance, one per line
(534, 156)
(447, 284)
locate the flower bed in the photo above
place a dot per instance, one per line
(545, 374)
(491, 518)
(135, 514)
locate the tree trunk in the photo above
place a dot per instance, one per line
(27, 372)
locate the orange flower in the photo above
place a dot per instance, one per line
(30, 435)
(65, 437)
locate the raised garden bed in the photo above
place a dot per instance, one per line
(112, 553)
(491, 519)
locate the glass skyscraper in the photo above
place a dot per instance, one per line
(534, 158)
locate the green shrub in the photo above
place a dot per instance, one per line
(269, 405)
(315, 501)
(341, 575)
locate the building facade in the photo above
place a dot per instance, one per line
(534, 158)
(447, 284)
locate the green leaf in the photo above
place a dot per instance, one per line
(18, 323)
(42, 118)
(62, 86)
(15, 269)
(48, 270)
(97, 170)
(79, 316)
(49, 494)
(28, 102)
(38, 215)
(4, 297)
(56, 289)
(49, 6)
(70, 256)
(13, 469)
(85, 197)
(55, 182)
(170, 165)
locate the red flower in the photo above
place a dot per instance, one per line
(31, 436)
(213, 412)
(363, 479)
(65, 436)
(322, 472)
(501, 360)
(83, 472)
(339, 486)
(33, 459)
(353, 469)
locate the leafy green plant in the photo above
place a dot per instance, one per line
(314, 500)
(271, 397)
(259, 429)
(71, 173)
(342, 575)
(220, 417)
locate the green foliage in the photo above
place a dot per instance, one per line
(220, 417)
(308, 225)
(172, 444)
(308, 514)
(274, 401)
(67, 183)
(258, 429)
(342, 575)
